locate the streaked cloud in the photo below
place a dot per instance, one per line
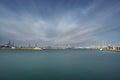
(59, 22)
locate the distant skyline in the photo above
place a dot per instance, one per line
(57, 22)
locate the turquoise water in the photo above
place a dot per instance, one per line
(59, 65)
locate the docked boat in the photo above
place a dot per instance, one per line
(37, 48)
(101, 49)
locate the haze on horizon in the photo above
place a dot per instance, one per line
(52, 22)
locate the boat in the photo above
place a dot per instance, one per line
(37, 48)
(101, 49)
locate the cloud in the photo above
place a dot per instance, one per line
(76, 25)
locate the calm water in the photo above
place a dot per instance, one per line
(59, 65)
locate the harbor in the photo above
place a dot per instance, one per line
(115, 47)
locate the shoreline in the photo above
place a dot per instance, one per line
(55, 49)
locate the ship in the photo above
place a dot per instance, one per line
(37, 48)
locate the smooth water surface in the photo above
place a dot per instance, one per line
(69, 64)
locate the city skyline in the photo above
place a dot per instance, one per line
(52, 22)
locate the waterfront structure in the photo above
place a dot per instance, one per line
(8, 45)
(112, 46)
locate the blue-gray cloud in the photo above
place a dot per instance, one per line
(59, 22)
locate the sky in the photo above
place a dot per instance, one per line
(59, 22)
